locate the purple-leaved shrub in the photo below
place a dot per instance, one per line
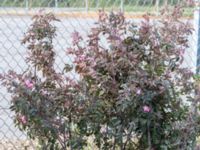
(138, 92)
(133, 92)
(43, 99)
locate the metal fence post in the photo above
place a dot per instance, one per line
(86, 5)
(166, 2)
(26, 4)
(56, 3)
(157, 7)
(122, 5)
(97, 3)
(197, 31)
(197, 48)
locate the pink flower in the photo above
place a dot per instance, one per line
(23, 119)
(29, 84)
(146, 109)
(138, 91)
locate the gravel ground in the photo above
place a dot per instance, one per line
(17, 145)
(30, 145)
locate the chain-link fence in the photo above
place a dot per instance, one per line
(15, 18)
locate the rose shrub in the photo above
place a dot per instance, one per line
(138, 94)
(43, 99)
(132, 92)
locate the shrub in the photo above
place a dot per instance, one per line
(43, 99)
(132, 92)
(138, 93)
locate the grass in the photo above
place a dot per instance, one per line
(188, 11)
(93, 6)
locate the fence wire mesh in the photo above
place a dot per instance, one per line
(15, 18)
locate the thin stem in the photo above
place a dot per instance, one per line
(65, 136)
(69, 128)
(149, 134)
(35, 73)
(121, 132)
